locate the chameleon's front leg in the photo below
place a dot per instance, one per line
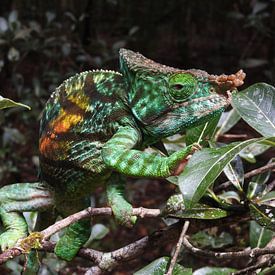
(118, 154)
(77, 234)
(18, 198)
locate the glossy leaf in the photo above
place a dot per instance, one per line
(268, 197)
(227, 121)
(214, 271)
(264, 215)
(235, 173)
(258, 235)
(205, 166)
(159, 267)
(8, 103)
(256, 105)
(99, 231)
(229, 196)
(3, 25)
(253, 150)
(201, 211)
(254, 189)
(204, 132)
(264, 177)
(257, 186)
(202, 239)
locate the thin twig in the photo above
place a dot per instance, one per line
(178, 247)
(247, 270)
(250, 174)
(255, 252)
(234, 136)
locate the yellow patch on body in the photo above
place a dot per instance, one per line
(49, 145)
(80, 99)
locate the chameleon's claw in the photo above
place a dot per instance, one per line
(187, 154)
(195, 147)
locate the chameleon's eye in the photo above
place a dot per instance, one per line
(182, 86)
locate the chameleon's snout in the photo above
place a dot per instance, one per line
(229, 82)
(232, 81)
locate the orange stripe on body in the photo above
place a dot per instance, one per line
(49, 146)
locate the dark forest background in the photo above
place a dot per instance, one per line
(44, 42)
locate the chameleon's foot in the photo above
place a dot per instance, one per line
(123, 213)
(17, 198)
(74, 238)
(195, 147)
(179, 159)
(9, 238)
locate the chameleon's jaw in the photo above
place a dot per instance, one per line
(184, 115)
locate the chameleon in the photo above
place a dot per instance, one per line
(93, 132)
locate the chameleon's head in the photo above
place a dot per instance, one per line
(166, 100)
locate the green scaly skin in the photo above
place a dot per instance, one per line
(93, 130)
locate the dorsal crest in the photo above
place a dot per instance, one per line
(133, 62)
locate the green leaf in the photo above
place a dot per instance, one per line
(256, 105)
(202, 212)
(263, 214)
(13, 54)
(258, 235)
(8, 103)
(235, 173)
(268, 197)
(264, 177)
(229, 197)
(214, 271)
(254, 189)
(253, 150)
(227, 121)
(205, 166)
(159, 267)
(203, 239)
(99, 231)
(204, 132)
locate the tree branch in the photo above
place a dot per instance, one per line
(107, 261)
(249, 174)
(268, 263)
(178, 247)
(255, 252)
(89, 212)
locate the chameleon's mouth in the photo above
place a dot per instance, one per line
(204, 106)
(214, 99)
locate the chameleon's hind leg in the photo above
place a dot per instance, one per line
(18, 198)
(77, 234)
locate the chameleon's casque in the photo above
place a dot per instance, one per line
(93, 130)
